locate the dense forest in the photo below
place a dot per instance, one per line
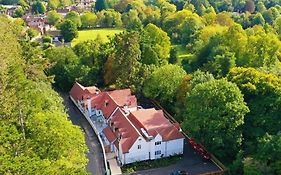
(35, 135)
(213, 64)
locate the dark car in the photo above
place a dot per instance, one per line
(179, 173)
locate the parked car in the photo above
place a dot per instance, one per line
(199, 149)
(179, 173)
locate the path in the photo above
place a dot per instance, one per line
(95, 165)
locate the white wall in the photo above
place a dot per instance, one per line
(146, 152)
(136, 154)
(160, 147)
(174, 147)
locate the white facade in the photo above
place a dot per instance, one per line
(143, 148)
(150, 151)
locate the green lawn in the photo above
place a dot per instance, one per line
(85, 35)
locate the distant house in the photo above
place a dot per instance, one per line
(64, 11)
(131, 132)
(55, 34)
(39, 23)
(8, 9)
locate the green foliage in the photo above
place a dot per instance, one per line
(47, 39)
(122, 66)
(155, 45)
(101, 5)
(189, 28)
(138, 166)
(64, 66)
(164, 83)
(91, 54)
(38, 7)
(9, 2)
(68, 30)
(53, 18)
(32, 140)
(187, 84)
(53, 4)
(173, 56)
(262, 94)
(31, 33)
(74, 17)
(214, 116)
(19, 12)
(88, 20)
(109, 18)
(131, 21)
(269, 151)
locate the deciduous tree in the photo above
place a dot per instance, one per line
(214, 116)
(53, 17)
(68, 30)
(155, 45)
(163, 83)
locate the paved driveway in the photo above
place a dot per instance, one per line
(95, 165)
(192, 163)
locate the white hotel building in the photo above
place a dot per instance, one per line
(133, 133)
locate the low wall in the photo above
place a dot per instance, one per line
(96, 132)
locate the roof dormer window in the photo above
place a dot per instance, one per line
(106, 103)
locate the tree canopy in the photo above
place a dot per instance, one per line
(68, 30)
(214, 115)
(32, 139)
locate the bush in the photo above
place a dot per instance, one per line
(47, 39)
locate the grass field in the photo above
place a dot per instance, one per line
(85, 35)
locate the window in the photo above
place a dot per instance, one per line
(106, 103)
(158, 143)
(157, 152)
(139, 146)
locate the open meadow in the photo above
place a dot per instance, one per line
(85, 35)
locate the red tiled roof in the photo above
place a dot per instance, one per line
(79, 92)
(109, 101)
(154, 122)
(125, 129)
(123, 97)
(109, 134)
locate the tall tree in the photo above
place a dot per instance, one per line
(109, 18)
(101, 5)
(214, 116)
(262, 94)
(122, 66)
(38, 7)
(53, 17)
(68, 30)
(155, 45)
(74, 17)
(88, 20)
(250, 6)
(64, 62)
(32, 140)
(163, 83)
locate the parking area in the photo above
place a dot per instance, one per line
(192, 163)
